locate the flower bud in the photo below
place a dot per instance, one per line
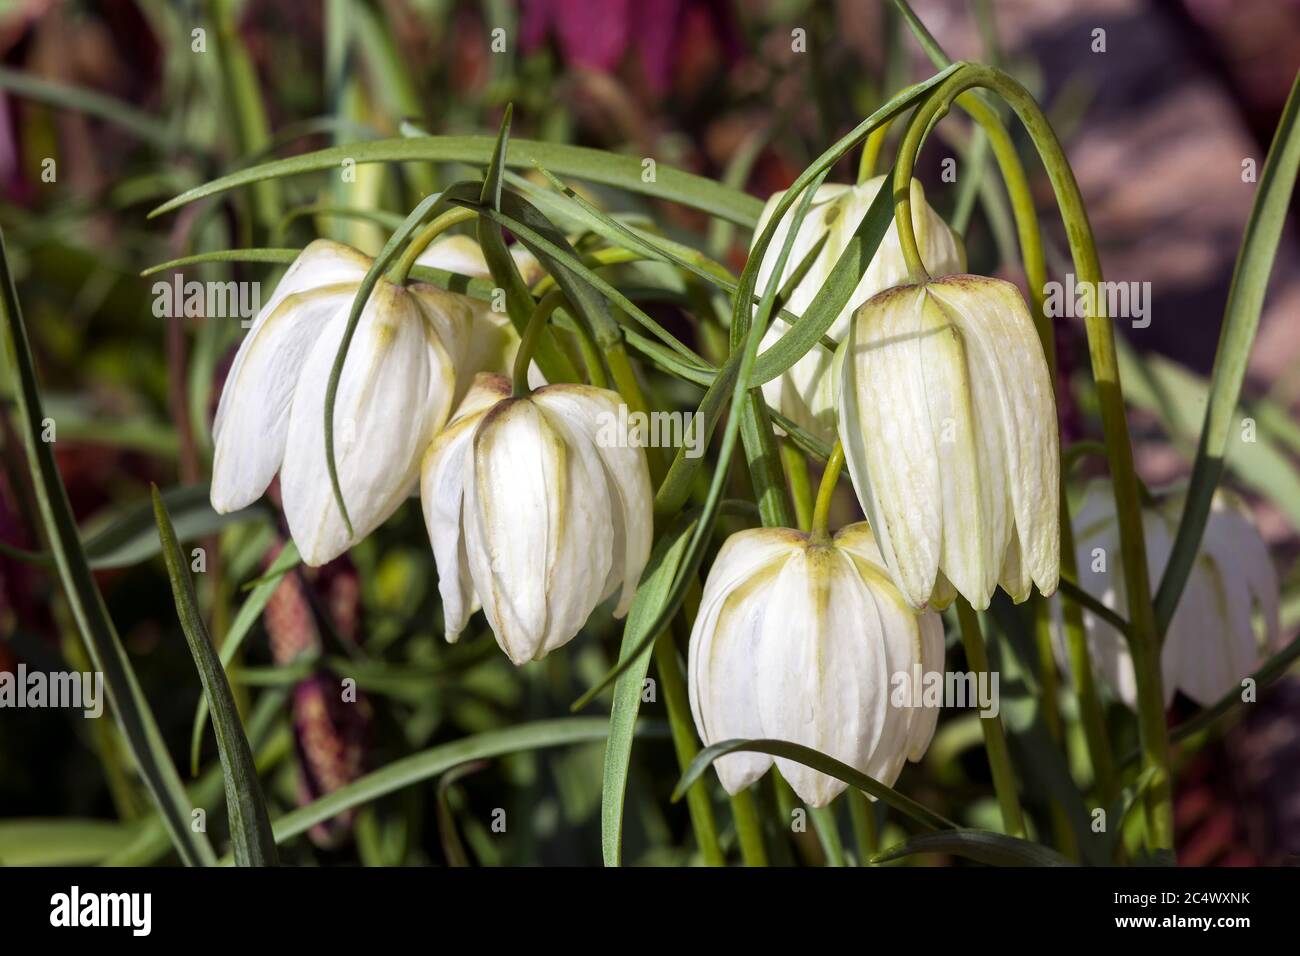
(949, 428)
(398, 386)
(801, 640)
(805, 393)
(1226, 619)
(532, 516)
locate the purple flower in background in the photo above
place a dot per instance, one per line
(596, 34)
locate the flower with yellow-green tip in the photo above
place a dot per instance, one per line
(805, 393)
(398, 386)
(801, 639)
(533, 515)
(948, 422)
(1227, 618)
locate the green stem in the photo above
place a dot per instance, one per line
(749, 828)
(995, 738)
(862, 814)
(1144, 641)
(452, 217)
(826, 493)
(528, 344)
(871, 151)
(796, 473)
(684, 743)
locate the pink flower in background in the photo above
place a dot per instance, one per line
(596, 34)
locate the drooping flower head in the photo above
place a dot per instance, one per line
(806, 392)
(949, 428)
(1227, 618)
(533, 515)
(398, 386)
(800, 640)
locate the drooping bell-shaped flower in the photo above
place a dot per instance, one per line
(1227, 618)
(538, 511)
(948, 422)
(398, 386)
(803, 641)
(805, 393)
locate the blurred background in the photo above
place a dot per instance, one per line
(109, 108)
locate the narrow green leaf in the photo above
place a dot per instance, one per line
(554, 364)
(240, 628)
(437, 760)
(62, 841)
(653, 590)
(129, 536)
(149, 128)
(131, 710)
(1240, 322)
(983, 846)
(427, 208)
(592, 165)
(817, 761)
(250, 826)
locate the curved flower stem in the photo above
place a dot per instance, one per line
(528, 344)
(826, 493)
(871, 151)
(1144, 642)
(995, 738)
(402, 268)
(796, 473)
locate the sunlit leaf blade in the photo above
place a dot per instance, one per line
(983, 846)
(592, 165)
(240, 628)
(817, 761)
(1240, 322)
(437, 760)
(250, 825)
(139, 729)
(653, 589)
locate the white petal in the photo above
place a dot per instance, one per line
(595, 413)
(533, 508)
(1014, 392)
(888, 443)
(821, 666)
(442, 490)
(253, 416)
(394, 394)
(720, 663)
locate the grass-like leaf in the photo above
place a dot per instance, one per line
(136, 720)
(250, 826)
(653, 589)
(438, 760)
(240, 627)
(983, 846)
(1240, 323)
(817, 761)
(592, 165)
